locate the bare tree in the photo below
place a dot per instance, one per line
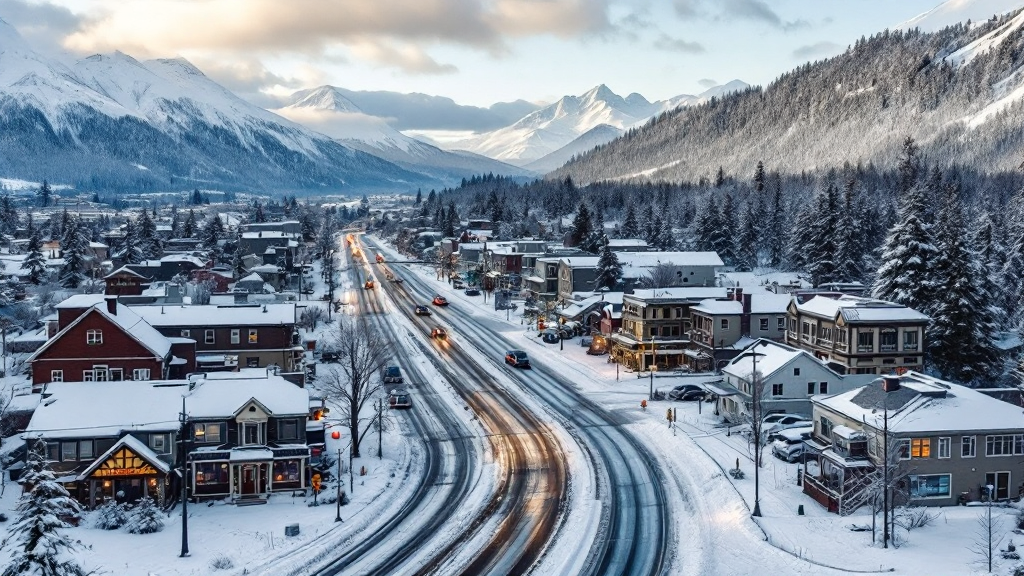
(362, 351)
(312, 316)
(662, 276)
(203, 291)
(987, 536)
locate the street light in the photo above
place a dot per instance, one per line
(183, 418)
(653, 368)
(757, 391)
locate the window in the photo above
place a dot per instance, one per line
(252, 361)
(796, 371)
(968, 446)
(910, 360)
(826, 427)
(250, 433)
(764, 324)
(186, 333)
(85, 451)
(93, 337)
(236, 336)
(287, 429)
(865, 341)
(811, 387)
(910, 340)
(253, 338)
(99, 373)
(822, 387)
(87, 376)
(160, 443)
(653, 332)
(211, 473)
(209, 337)
(725, 324)
(140, 374)
(286, 471)
(944, 447)
(1004, 445)
(53, 451)
(56, 375)
(780, 322)
(904, 449)
(206, 433)
(920, 448)
(116, 374)
(931, 486)
(68, 451)
(776, 389)
(805, 331)
(887, 340)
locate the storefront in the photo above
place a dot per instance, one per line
(126, 472)
(247, 473)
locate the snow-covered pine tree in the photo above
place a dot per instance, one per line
(72, 274)
(131, 252)
(609, 269)
(581, 226)
(256, 213)
(961, 334)
(724, 236)
(36, 540)
(110, 516)
(773, 235)
(144, 518)
(661, 234)
(188, 229)
(759, 177)
(630, 223)
(175, 223)
(212, 234)
(451, 220)
(991, 257)
(746, 239)
(820, 246)
(34, 261)
(44, 194)
(850, 249)
(706, 226)
(647, 223)
(149, 243)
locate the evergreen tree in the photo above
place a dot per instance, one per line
(34, 262)
(451, 220)
(759, 177)
(36, 542)
(197, 198)
(148, 240)
(821, 247)
(630, 225)
(727, 229)
(95, 198)
(746, 239)
(991, 257)
(213, 233)
(8, 214)
(175, 223)
(720, 177)
(256, 213)
(961, 334)
(773, 236)
(131, 250)
(188, 229)
(850, 249)
(609, 269)
(581, 226)
(44, 194)
(706, 227)
(72, 274)
(364, 207)
(144, 518)
(237, 264)
(419, 196)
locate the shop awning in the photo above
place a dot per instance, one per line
(251, 454)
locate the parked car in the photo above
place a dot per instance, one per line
(438, 333)
(458, 284)
(789, 445)
(778, 433)
(472, 291)
(368, 285)
(400, 399)
(550, 336)
(778, 417)
(790, 421)
(439, 300)
(517, 358)
(422, 310)
(398, 280)
(393, 375)
(681, 390)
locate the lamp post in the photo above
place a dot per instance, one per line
(653, 367)
(183, 418)
(756, 394)
(337, 507)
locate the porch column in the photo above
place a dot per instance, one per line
(92, 494)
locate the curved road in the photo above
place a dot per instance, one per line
(635, 531)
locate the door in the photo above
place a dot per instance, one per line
(248, 479)
(1001, 481)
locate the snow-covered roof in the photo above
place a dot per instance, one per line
(269, 234)
(184, 259)
(855, 309)
(128, 321)
(80, 301)
(634, 261)
(769, 303)
(925, 404)
(694, 294)
(212, 315)
(771, 357)
(719, 307)
(122, 271)
(626, 243)
(98, 245)
(254, 277)
(270, 268)
(581, 305)
(136, 446)
(152, 406)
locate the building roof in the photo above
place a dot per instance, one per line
(579, 306)
(136, 446)
(80, 301)
(693, 294)
(855, 309)
(626, 243)
(269, 234)
(718, 307)
(210, 315)
(127, 320)
(153, 406)
(925, 404)
(769, 303)
(647, 260)
(772, 357)
(124, 270)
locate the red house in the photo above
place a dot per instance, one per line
(108, 341)
(124, 282)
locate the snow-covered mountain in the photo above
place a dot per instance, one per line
(952, 12)
(327, 110)
(600, 134)
(553, 127)
(959, 92)
(113, 122)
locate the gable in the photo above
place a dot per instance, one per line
(71, 342)
(252, 411)
(123, 462)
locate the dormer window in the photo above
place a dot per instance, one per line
(94, 337)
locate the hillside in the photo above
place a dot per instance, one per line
(957, 92)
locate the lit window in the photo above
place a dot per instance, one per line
(253, 338)
(207, 433)
(920, 448)
(93, 337)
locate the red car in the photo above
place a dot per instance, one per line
(440, 301)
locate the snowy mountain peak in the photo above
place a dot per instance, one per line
(9, 37)
(179, 64)
(636, 99)
(954, 11)
(600, 93)
(323, 98)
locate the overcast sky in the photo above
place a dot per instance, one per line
(474, 51)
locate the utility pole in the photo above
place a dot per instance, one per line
(184, 481)
(885, 472)
(380, 428)
(337, 517)
(351, 478)
(756, 428)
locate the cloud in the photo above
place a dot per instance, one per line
(707, 82)
(753, 10)
(811, 51)
(40, 23)
(251, 80)
(687, 8)
(666, 42)
(407, 58)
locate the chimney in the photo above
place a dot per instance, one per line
(111, 304)
(890, 383)
(738, 294)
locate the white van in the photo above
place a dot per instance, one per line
(790, 443)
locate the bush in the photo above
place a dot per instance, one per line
(145, 518)
(111, 515)
(912, 517)
(222, 563)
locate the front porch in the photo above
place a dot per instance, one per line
(248, 475)
(640, 356)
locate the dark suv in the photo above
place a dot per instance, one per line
(517, 358)
(393, 375)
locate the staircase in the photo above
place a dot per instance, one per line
(250, 500)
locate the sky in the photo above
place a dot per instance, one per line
(476, 52)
